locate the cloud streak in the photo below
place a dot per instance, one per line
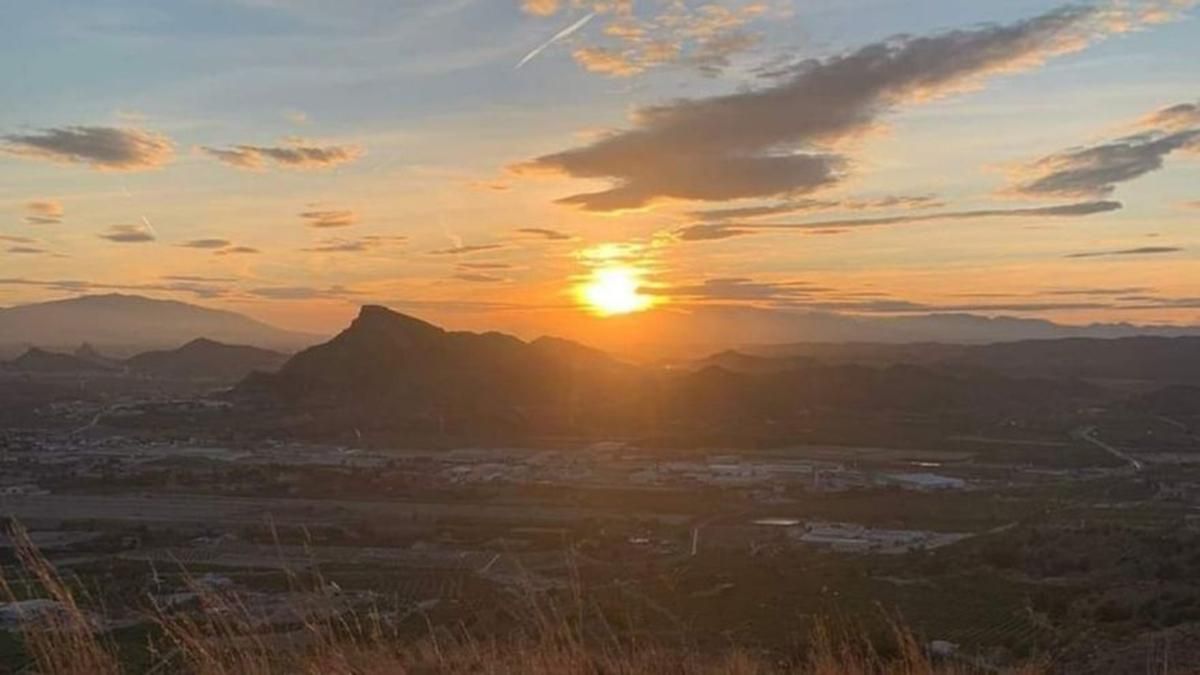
(466, 250)
(357, 245)
(545, 233)
(294, 156)
(328, 219)
(800, 205)
(128, 234)
(715, 231)
(1141, 250)
(206, 243)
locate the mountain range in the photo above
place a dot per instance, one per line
(1146, 358)
(695, 332)
(393, 374)
(200, 360)
(127, 324)
(116, 323)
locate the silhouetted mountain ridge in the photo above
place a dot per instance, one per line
(205, 359)
(392, 372)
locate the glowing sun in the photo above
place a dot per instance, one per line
(614, 290)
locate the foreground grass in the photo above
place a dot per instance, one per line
(222, 639)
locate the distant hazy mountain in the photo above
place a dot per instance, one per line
(133, 323)
(37, 360)
(700, 331)
(86, 352)
(393, 373)
(1161, 359)
(204, 359)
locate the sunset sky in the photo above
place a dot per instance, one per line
(521, 165)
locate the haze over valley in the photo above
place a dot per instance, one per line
(600, 336)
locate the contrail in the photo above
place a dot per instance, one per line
(560, 35)
(146, 222)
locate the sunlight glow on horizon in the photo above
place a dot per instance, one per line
(614, 290)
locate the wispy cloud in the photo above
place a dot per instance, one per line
(237, 250)
(800, 205)
(485, 265)
(325, 219)
(302, 292)
(1095, 171)
(1141, 250)
(197, 286)
(293, 156)
(545, 233)
(103, 148)
(714, 231)
(46, 212)
(703, 36)
(206, 243)
(220, 247)
(478, 278)
(356, 245)
(128, 234)
(466, 250)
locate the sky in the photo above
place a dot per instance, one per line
(524, 164)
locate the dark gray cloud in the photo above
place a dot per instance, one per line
(293, 156)
(799, 205)
(128, 234)
(43, 212)
(326, 219)
(27, 250)
(206, 243)
(1095, 171)
(104, 148)
(220, 247)
(774, 140)
(238, 250)
(712, 231)
(1061, 211)
(1141, 250)
(545, 233)
(466, 250)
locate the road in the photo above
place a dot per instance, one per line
(1089, 434)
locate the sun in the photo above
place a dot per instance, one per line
(614, 290)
